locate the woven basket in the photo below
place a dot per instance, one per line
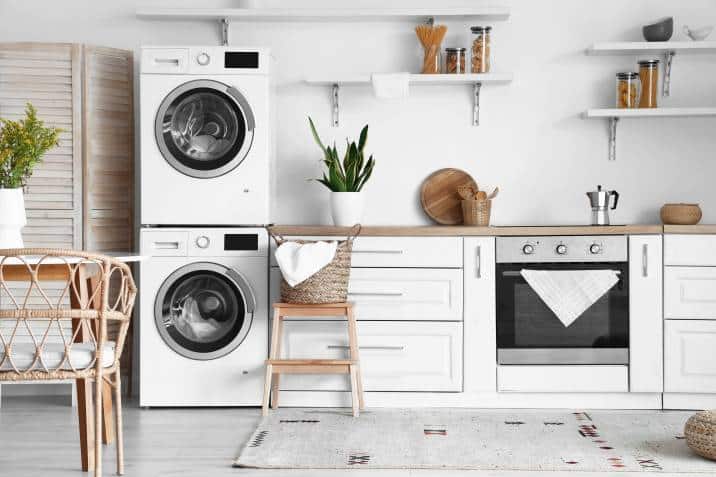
(329, 284)
(476, 212)
(700, 433)
(681, 214)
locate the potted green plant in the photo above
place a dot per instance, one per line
(345, 179)
(22, 145)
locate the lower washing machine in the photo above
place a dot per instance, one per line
(203, 334)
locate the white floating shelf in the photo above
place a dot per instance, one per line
(615, 114)
(649, 113)
(417, 79)
(492, 13)
(474, 80)
(653, 47)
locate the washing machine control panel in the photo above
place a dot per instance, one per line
(203, 58)
(202, 241)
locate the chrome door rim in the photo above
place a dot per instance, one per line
(239, 282)
(239, 101)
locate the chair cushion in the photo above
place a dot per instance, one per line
(81, 356)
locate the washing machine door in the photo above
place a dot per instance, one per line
(204, 128)
(204, 310)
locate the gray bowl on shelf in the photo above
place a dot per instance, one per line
(659, 31)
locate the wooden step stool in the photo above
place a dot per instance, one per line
(275, 366)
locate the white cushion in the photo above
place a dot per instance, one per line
(81, 356)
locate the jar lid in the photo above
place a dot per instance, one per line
(649, 63)
(451, 50)
(627, 75)
(480, 29)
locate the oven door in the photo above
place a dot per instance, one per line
(528, 332)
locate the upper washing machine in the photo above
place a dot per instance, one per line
(205, 136)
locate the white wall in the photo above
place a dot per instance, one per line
(531, 143)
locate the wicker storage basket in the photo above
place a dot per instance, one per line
(700, 433)
(681, 214)
(476, 212)
(329, 284)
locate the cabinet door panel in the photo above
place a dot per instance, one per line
(690, 351)
(690, 292)
(697, 250)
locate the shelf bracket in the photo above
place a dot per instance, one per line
(667, 73)
(613, 138)
(476, 104)
(224, 31)
(335, 108)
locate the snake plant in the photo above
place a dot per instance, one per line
(353, 172)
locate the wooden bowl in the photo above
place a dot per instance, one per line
(681, 214)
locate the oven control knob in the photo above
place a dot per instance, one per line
(203, 58)
(595, 249)
(528, 249)
(561, 249)
(203, 241)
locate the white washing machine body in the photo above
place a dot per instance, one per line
(203, 334)
(205, 136)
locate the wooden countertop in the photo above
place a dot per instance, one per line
(704, 229)
(466, 231)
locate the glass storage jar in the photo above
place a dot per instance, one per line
(627, 90)
(455, 60)
(481, 49)
(649, 79)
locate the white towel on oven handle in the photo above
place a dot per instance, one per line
(568, 293)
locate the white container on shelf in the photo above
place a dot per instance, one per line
(12, 218)
(347, 208)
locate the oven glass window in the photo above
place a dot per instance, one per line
(525, 321)
(201, 314)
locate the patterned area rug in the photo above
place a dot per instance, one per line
(599, 441)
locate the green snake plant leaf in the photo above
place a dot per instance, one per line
(363, 138)
(315, 135)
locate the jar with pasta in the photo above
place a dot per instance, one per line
(481, 49)
(649, 79)
(627, 90)
(455, 60)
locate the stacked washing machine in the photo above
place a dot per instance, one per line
(204, 164)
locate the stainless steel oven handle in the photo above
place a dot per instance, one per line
(518, 274)
(645, 260)
(478, 262)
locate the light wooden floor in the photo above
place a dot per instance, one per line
(38, 437)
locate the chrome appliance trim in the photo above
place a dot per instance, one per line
(566, 356)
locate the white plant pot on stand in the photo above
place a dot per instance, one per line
(12, 217)
(347, 208)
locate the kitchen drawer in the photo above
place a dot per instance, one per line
(394, 356)
(163, 243)
(401, 252)
(690, 356)
(696, 250)
(563, 379)
(690, 292)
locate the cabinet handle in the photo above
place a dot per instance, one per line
(478, 262)
(383, 252)
(645, 260)
(375, 348)
(375, 293)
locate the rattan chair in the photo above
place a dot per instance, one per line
(54, 326)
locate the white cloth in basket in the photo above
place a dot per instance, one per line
(300, 261)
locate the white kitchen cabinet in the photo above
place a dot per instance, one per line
(567, 379)
(645, 314)
(480, 318)
(400, 252)
(690, 250)
(690, 292)
(395, 356)
(690, 356)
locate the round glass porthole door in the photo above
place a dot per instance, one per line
(204, 128)
(204, 310)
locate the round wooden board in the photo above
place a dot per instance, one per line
(439, 196)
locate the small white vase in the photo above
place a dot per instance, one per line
(347, 208)
(12, 218)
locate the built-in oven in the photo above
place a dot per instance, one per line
(529, 332)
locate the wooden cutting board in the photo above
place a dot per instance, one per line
(439, 196)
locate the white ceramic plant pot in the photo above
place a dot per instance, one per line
(12, 218)
(347, 208)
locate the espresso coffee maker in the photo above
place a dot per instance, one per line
(600, 200)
